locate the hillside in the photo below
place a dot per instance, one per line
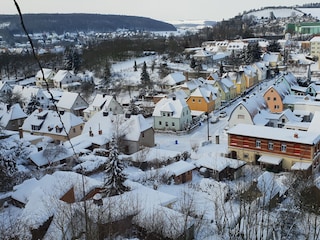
(60, 23)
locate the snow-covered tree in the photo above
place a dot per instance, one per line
(114, 180)
(71, 59)
(106, 77)
(33, 104)
(145, 78)
(133, 108)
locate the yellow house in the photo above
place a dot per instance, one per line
(226, 89)
(250, 75)
(239, 81)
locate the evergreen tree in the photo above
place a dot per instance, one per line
(145, 78)
(114, 181)
(133, 108)
(106, 78)
(253, 53)
(71, 59)
(33, 104)
(193, 63)
(135, 66)
(274, 46)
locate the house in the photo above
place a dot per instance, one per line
(275, 95)
(12, 118)
(226, 89)
(27, 93)
(189, 86)
(44, 78)
(173, 79)
(203, 56)
(247, 110)
(276, 148)
(134, 132)
(5, 87)
(180, 171)
(73, 103)
(103, 102)
(219, 168)
(262, 71)
(313, 90)
(66, 81)
(203, 99)
(250, 75)
(273, 59)
(171, 114)
(239, 82)
(45, 201)
(48, 123)
(315, 46)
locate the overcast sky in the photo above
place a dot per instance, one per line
(166, 10)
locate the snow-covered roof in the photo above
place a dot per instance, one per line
(48, 123)
(41, 159)
(172, 105)
(61, 74)
(270, 160)
(47, 72)
(271, 57)
(213, 161)
(314, 125)
(174, 78)
(15, 112)
(136, 124)
(43, 195)
(280, 134)
(153, 154)
(301, 166)
(68, 100)
(101, 100)
(178, 168)
(270, 186)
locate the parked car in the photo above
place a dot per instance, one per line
(222, 114)
(214, 119)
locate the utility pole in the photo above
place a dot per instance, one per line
(208, 116)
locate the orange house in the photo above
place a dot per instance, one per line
(274, 97)
(202, 99)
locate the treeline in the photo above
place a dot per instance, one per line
(60, 23)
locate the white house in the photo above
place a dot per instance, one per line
(171, 114)
(103, 102)
(72, 102)
(66, 80)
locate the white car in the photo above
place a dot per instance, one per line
(222, 114)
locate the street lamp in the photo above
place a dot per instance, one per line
(208, 116)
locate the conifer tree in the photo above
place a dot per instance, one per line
(145, 78)
(33, 104)
(114, 180)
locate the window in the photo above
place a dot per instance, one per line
(167, 124)
(199, 100)
(268, 98)
(163, 114)
(258, 144)
(274, 99)
(245, 155)
(283, 147)
(193, 100)
(172, 124)
(270, 145)
(160, 123)
(240, 116)
(74, 130)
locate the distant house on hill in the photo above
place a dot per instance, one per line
(66, 81)
(44, 78)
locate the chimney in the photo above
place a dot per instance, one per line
(40, 110)
(100, 130)
(90, 133)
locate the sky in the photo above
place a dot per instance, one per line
(164, 10)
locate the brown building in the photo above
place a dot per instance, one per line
(275, 147)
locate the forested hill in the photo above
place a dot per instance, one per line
(59, 23)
